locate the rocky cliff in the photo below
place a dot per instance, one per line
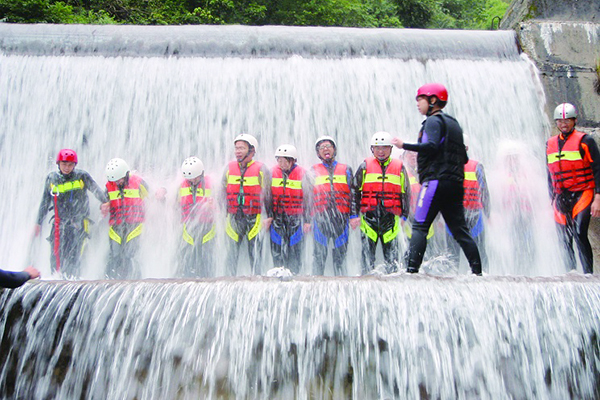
(562, 37)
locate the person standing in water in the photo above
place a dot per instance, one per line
(441, 166)
(66, 194)
(332, 207)
(574, 178)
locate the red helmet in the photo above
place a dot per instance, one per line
(66, 155)
(433, 89)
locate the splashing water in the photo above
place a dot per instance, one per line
(158, 95)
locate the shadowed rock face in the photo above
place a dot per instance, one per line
(556, 10)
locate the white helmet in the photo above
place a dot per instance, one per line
(324, 138)
(381, 139)
(192, 168)
(116, 169)
(287, 150)
(565, 111)
(251, 140)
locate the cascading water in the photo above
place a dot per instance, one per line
(155, 96)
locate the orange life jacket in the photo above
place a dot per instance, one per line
(244, 192)
(126, 206)
(196, 205)
(287, 194)
(382, 188)
(568, 170)
(336, 188)
(472, 198)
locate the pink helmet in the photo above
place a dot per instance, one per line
(66, 155)
(433, 89)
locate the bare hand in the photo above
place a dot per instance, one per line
(306, 228)
(160, 194)
(37, 230)
(354, 223)
(596, 206)
(267, 223)
(105, 208)
(396, 141)
(33, 273)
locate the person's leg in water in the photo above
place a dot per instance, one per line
(320, 248)
(255, 241)
(236, 230)
(582, 214)
(453, 212)
(390, 227)
(369, 237)
(427, 210)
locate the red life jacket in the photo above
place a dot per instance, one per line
(199, 209)
(379, 188)
(472, 198)
(337, 190)
(287, 194)
(568, 170)
(128, 206)
(244, 191)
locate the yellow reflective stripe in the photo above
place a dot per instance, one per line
(393, 179)
(367, 230)
(187, 191)
(290, 183)
(230, 231)
(113, 235)
(247, 181)
(186, 236)
(277, 182)
(564, 156)
(255, 229)
(470, 176)
(128, 193)
(135, 233)
(67, 186)
(132, 193)
(392, 233)
(324, 179)
(210, 235)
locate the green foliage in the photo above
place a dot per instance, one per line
(449, 14)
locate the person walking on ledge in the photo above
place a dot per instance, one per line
(441, 166)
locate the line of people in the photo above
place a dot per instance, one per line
(328, 200)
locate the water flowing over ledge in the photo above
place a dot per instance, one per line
(245, 41)
(322, 338)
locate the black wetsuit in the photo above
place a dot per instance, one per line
(69, 192)
(11, 280)
(441, 159)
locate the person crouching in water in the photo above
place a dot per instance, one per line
(383, 195)
(441, 165)
(197, 217)
(126, 193)
(289, 189)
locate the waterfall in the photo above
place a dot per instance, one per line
(156, 95)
